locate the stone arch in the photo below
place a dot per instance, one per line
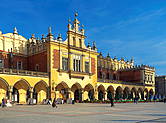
(21, 91)
(119, 93)
(63, 84)
(88, 92)
(40, 91)
(126, 93)
(3, 84)
(3, 89)
(110, 92)
(76, 86)
(77, 90)
(101, 92)
(22, 84)
(62, 91)
(140, 93)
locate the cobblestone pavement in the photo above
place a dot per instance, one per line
(85, 113)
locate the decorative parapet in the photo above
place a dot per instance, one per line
(120, 82)
(22, 72)
(138, 67)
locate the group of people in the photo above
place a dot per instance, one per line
(6, 103)
(55, 102)
(136, 99)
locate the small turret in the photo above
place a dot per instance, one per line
(88, 46)
(122, 59)
(115, 58)
(37, 40)
(132, 60)
(33, 36)
(108, 55)
(94, 46)
(15, 31)
(50, 35)
(69, 25)
(100, 55)
(82, 30)
(59, 37)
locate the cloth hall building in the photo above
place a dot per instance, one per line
(49, 67)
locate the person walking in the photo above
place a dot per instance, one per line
(112, 102)
(164, 100)
(54, 103)
(3, 103)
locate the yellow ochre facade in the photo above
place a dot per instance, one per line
(49, 68)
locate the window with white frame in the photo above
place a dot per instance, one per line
(77, 63)
(19, 65)
(64, 63)
(1, 63)
(87, 67)
(37, 67)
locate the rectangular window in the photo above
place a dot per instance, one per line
(37, 67)
(80, 43)
(19, 65)
(87, 67)
(74, 41)
(65, 63)
(1, 63)
(77, 65)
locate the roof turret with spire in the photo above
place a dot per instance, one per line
(108, 55)
(94, 46)
(15, 31)
(59, 37)
(50, 35)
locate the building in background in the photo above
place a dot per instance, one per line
(50, 67)
(160, 86)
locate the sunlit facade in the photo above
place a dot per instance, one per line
(49, 67)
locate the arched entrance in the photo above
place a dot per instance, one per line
(119, 93)
(62, 88)
(3, 89)
(101, 92)
(110, 92)
(140, 94)
(126, 93)
(89, 92)
(77, 90)
(21, 91)
(40, 91)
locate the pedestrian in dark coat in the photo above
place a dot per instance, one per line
(2, 102)
(112, 102)
(54, 103)
(164, 100)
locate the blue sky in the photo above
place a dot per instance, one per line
(124, 28)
